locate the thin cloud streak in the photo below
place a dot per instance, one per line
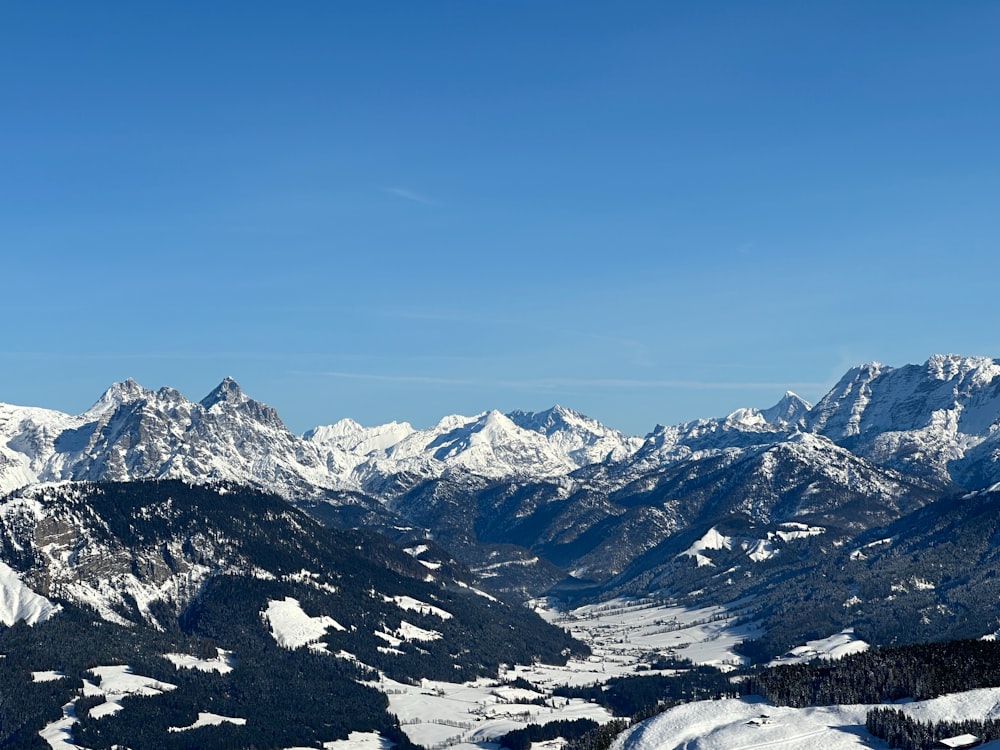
(550, 383)
(410, 195)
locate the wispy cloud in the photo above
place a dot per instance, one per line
(410, 195)
(560, 382)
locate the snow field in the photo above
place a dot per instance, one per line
(415, 605)
(18, 602)
(741, 724)
(59, 734)
(223, 663)
(116, 682)
(462, 715)
(626, 633)
(355, 741)
(292, 627)
(206, 719)
(48, 675)
(834, 647)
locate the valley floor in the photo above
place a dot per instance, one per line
(623, 635)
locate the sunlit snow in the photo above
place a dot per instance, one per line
(48, 675)
(711, 540)
(741, 724)
(206, 719)
(59, 733)
(117, 682)
(291, 627)
(834, 647)
(415, 605)
(18, 602)
(222, 663)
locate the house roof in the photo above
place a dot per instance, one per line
(961, 740)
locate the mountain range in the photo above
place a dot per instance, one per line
(151, 529)
(556, 502)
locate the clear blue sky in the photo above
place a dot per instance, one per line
(647, 211)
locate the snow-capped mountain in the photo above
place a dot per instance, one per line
(922, 419)
(135, 433)
(493, 445)
(553, 490)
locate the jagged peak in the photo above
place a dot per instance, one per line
(555, 419)
(948, 366)
(341, 427)
(790, 409)
(119, 393)
(228, 390)
(495, 420)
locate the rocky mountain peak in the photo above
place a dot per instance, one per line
(228, 390)
(118, 394)
(790, 410)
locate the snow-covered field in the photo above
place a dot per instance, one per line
(624, 634)
(292, 627)
(356, 741)
(439, 714)
(741, 724)
(118, 681)
(114, 682)
(223, 663)
(206, 719)
(835, 646)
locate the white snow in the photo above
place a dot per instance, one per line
(59, 733)
(118, 681)
(48, 675)
(626, 633)
(222, 663)
(206, 719)
(406, 632)
(360, 741)
(960, 740)
(415, 605)
(464, 715)
(411, 632)
(711, 540)
(292, 627)
(835, 646)
(735, 724)
(759, 550)
(789, 531)
(18, 602)
(741, 724)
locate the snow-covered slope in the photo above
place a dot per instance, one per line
(134, 433)
(18, 602)
(922, 419)
(927, 420)
(491, 444)
(555, 486)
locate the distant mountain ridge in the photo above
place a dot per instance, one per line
(135, 433)
(926, 419)
(527, 498)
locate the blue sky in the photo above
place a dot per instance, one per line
(646, 211)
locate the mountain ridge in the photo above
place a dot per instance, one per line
(511, 494)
